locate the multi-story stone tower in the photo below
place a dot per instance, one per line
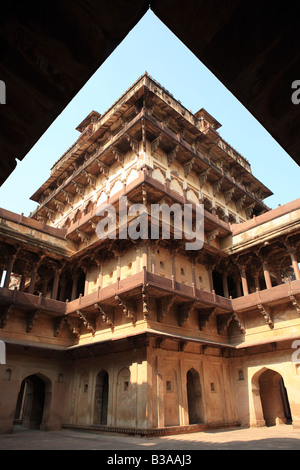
(143, 333)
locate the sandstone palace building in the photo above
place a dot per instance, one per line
(143, 335)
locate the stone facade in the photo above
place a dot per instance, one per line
(142, 335)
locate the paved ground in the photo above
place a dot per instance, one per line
(283, 437)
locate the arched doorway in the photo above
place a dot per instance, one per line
(101, 398)
(31, 402)
(195, 407)
(274, 398)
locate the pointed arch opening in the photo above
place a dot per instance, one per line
(195, 406)
(32, 409)
(274, 398)
(101, 398)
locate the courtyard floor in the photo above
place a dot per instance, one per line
(283, 437)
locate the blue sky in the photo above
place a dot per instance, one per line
(151, 47)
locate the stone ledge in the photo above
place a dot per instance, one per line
(151, 432)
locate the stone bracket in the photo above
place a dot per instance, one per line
(58, 324)
(86, 322)
(59, 206)
(119, 155)
(183, 311)
(128, 308)
(223, 321)
(31, 318)
(266, 313)
(83, 236)
(69, 197)
(212, 235)
(239, 323)
(155, 143)
(74, 329)
(90, 178)
(228, 195)
(103, 168)
(295, 303)
(203, 176)
(188, 166)
(133, 144)
(145, 301)
(204, 316)
(164, 306)
(79, 188)
(217, 186)
(107, 314)
(5, 310)
(172, 155)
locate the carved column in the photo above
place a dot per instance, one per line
(62, 286)
(33, 278)
(9, 269)
(210, 277)
(100, 277)
(173, 267)
(152, 248)
(244, 280)
(75, 277)
(118, 268)
(256, 280)
(225, 285)
(45, 287)
(55, 284)
(294, 263)
(22, 283)
(193, 262)
(238, 287)
(145, 256)
(267, 274)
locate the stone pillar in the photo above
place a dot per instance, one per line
(55, 284)
(118, 268)
(256, 280)
(62, 285)
(22, 283)
(74, 285)
(210, 277)
(100, 277)
(244, 280)
(295, 264)
(145, 256)
(194, 272)
(238, 287)
(225, 285)
(33, 278)
(45, 287)
(9, 269)
(173, 267)
(267, 275)
(152, 248)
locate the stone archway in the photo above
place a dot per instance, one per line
(33, 405)
(101, 398)
(195, 408)
(271, 391)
